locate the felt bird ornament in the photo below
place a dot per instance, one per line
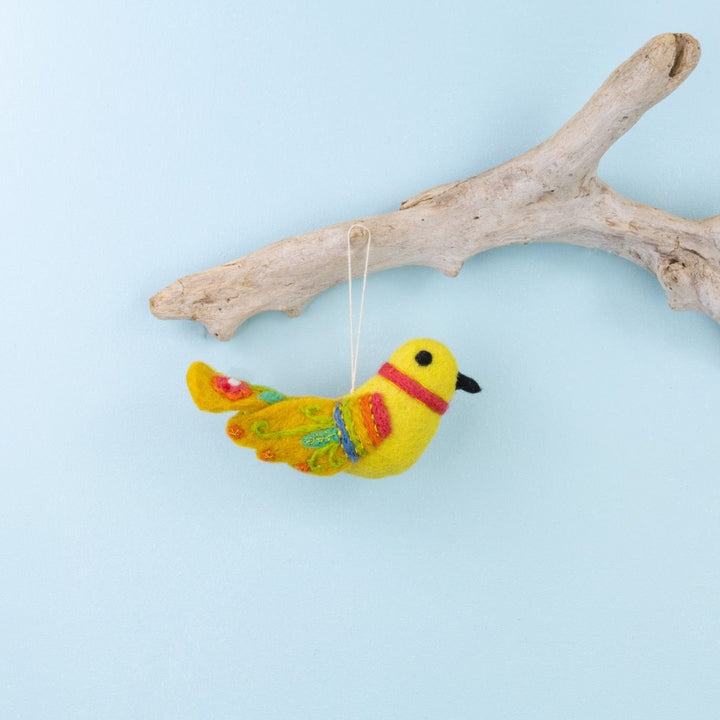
(379, 429)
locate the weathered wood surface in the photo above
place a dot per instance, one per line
(550, 193)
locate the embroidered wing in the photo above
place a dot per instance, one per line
(315, 435)
(214, 392)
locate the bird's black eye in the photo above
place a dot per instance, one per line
(423, 358)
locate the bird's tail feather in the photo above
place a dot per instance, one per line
(214, 392)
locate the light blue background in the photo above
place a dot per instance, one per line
(555, 553)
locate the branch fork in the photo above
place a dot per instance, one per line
(549, 194)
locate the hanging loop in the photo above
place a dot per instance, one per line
(355, 342)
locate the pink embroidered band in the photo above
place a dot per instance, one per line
(413, 388)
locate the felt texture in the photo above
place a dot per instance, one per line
(214, 392)
(413, 388)
(380, 429)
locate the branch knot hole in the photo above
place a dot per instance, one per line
(358, 235)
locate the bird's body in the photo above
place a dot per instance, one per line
(379, 429)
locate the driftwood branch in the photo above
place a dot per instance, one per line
(551, 194)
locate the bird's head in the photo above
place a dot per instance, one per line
(431, 364)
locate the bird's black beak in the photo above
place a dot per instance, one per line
(467, 384)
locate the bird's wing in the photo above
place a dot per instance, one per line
(315, 435)
(214, 392)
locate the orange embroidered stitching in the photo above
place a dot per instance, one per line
(235, 431)
(369, 419)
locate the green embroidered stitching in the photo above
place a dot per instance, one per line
(271, 396)
(320, 438)
(323, 436)
(311, 411)
(329, 450)
(260, 427)
(350, 425)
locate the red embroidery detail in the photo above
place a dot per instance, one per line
(303, 467)
(235, 431)
(267, 455)
(231, 388)
(381, 416)
(413, 388)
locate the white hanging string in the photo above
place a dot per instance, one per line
(355, 342)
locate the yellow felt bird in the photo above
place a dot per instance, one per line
(380, 429)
